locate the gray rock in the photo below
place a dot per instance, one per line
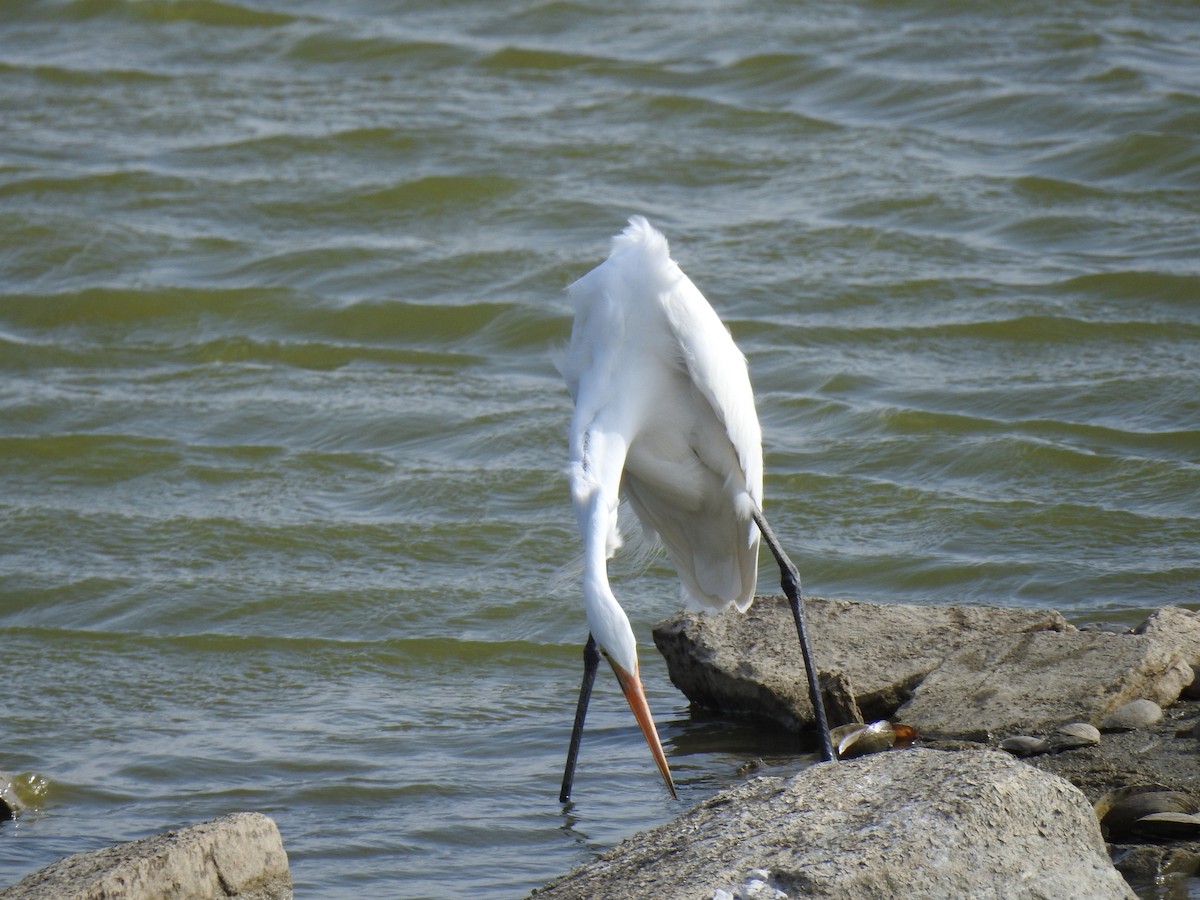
(1033, 682)
(1024, 745)
(954, 673)
(1177, 626)
(239, 855)
(914, 823)
(837, 693)
(750, 662)
(1133, 715)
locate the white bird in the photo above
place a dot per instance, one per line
(664, 414)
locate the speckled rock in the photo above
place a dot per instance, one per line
(239, 855)
(1177, 626)
(952, 672)
(750, 662)
(1037, 681)
(914, 823)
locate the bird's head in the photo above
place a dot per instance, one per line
(613, 633)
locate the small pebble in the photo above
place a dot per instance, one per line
(749, 767)
(754, 889)
(1077, 734)
(1024, 745)
(1133, 715)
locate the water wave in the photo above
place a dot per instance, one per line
(201, 12)
(281, 443)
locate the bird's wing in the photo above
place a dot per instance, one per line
(717, 369)
(719, 373)
(714, 545)
(694, 483)
(641, 265)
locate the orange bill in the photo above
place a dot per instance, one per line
(632, 686)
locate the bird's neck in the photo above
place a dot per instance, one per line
(607, 621)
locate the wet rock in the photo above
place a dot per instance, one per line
(1162, 870)
(239, 855)
(1168, 826)
(919, 822)
(10, 803)
(854, 740)
(1121, 811)
(750, 766)
(1133, 715)
(954, 673)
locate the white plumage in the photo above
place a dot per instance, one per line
(664, 414)
(664, 410)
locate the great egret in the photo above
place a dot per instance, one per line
(664, 414)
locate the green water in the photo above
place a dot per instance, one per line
(283, 518)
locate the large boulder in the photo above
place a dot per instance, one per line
(1176, 626)
(1035, 681)
(953, 672)
(913, 823)
(239, 855)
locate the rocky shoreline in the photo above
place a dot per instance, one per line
(954, 815)
(953, 672)
(915, 823)
(239, 855)
(971, 681)
(964, 678)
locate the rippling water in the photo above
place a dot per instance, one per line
(284, 523)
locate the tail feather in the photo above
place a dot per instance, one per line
(640, 234)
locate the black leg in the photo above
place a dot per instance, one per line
(790, 582)
(591, 660)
